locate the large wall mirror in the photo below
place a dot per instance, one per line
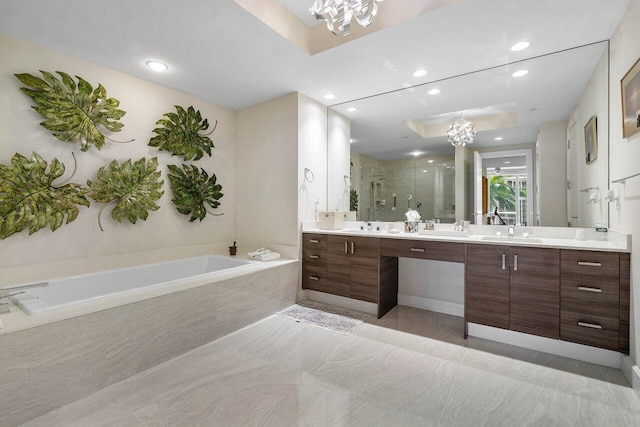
(539, 156)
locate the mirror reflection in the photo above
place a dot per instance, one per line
(539, 155)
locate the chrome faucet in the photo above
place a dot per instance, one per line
(512, 231)
(369, 226)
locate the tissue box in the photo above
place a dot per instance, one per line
(330, 220)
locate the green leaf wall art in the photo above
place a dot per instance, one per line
(180, 134)
(28, 199)
(73, 112)
(135, 187)
(193, 189)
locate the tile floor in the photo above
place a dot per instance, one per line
(411, 368)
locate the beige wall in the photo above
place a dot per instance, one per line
(144, 103)
(625, 155)
(267, 184)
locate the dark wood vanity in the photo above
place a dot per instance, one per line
(580, 296)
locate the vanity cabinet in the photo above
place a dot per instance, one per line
(591, 298)
(487, 285)
(314, 264)
(516, 288)
(353, 267)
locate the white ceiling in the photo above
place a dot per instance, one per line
(218, 51)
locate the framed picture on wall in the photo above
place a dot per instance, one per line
(631, 101)
(591, 140)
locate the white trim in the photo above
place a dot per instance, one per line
(631, 373)
(439, 306)
(348, 303)
(585, 353)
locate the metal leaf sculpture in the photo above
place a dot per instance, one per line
(192, 190)
(134, 186)
(180, 134)
(73, 112)
(28, 199)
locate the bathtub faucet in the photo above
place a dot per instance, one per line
(11, 291)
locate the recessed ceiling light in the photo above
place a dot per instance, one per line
(416, 153)
(507, 162)
(499, 138)
(520, 46)
(520, 73)
(424, 170)
(430, 161)
(351, 141)
(329, 96)
(420, 73)
(352, 109)
(434, 91)
(157, 66)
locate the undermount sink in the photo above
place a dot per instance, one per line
(512, 239)
(361, 231)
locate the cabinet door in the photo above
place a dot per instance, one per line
(338, 266)
(364, 268)
(487, 285)
(535, 291)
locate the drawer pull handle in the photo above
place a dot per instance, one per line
(515, 263)
(314, 256)
(353, 248)
(588, 289)
(417, 250)
(504, 261)
(590, 264)
(346, 250)
(314, 278)
(589, 325)
(314, 241)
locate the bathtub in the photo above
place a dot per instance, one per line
(74, 290)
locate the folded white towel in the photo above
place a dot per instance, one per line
(268, 257)
(258, 252)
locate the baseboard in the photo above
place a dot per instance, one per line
(631, 372)
(430, 304)
(585, 353)
(348, 303)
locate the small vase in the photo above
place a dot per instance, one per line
(411, 226)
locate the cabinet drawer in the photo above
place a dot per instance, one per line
(314, 256)
(315, 241)
(602, 299)
(589, 329)
(314, 278)
(589, 266)
(439, 251)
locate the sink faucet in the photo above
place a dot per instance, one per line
(369, 226)
(512, 231)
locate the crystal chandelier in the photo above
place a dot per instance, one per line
(461, 132)
(340, 12)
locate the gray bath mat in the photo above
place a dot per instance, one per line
(332, 318)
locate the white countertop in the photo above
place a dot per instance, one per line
(534, 241)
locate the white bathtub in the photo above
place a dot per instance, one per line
(78, 289)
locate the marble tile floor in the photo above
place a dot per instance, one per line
(410, 368)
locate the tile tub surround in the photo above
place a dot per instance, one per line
(45, 367)
(410, 368)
